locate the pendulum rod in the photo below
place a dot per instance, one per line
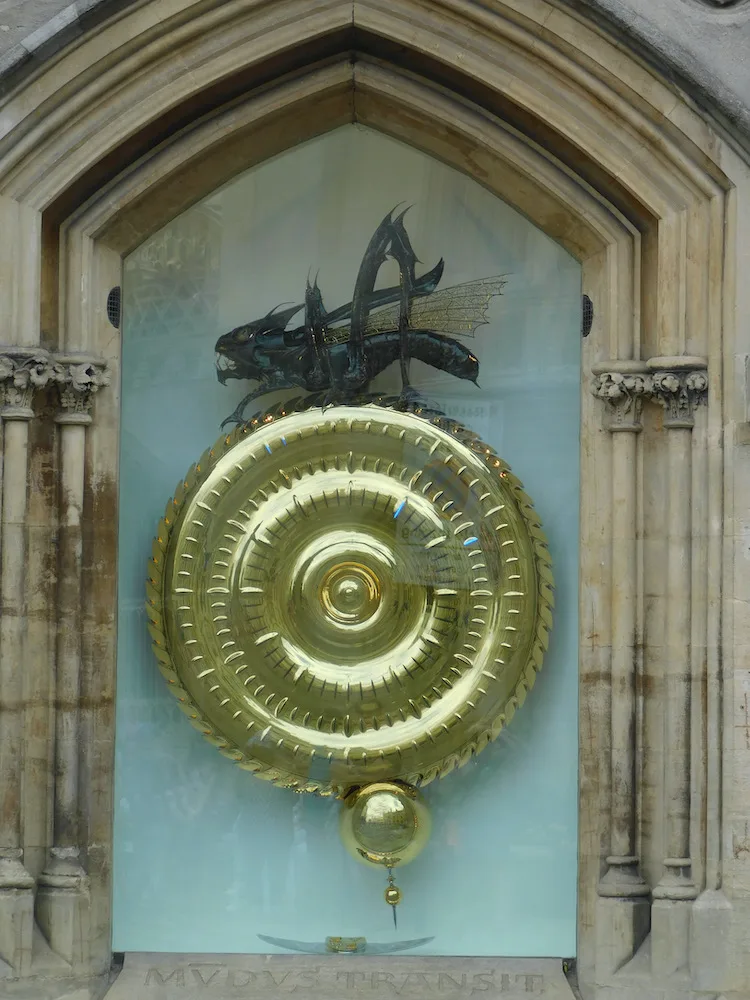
(393, 896)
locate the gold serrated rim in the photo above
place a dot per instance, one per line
(155, 599)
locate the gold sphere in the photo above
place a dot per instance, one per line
(385, 824)
(393, 895)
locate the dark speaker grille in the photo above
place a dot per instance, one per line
(587, 317)
(114, 306)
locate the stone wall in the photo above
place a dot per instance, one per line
(110, 138)
(700, 44)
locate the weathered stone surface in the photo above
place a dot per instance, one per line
(609, 162)
(337, 977)
(48, 988)
(702, 44)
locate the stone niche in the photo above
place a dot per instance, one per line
(144, 115)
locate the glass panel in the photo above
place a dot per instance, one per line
(208, 857)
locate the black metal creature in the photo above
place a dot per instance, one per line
(338, 353)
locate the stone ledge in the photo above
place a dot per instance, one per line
(337, 977)
(46, 988)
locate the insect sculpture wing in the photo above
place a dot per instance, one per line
(459, 311)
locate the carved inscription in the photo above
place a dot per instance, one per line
(227, 980)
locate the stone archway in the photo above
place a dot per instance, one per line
(159, 106)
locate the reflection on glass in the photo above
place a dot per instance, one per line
(263, 862)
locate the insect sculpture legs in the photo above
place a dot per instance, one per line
(374, 258)
(403, 253)
(277, 381)
(389, 240)
(316, 329)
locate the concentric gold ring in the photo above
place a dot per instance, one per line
(351, 595)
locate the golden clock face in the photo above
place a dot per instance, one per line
(350, 595)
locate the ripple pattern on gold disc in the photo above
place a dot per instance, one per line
(350, 595)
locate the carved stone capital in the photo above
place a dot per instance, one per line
(679, 392)
(623, 393)
(22, 372)
(79, 379)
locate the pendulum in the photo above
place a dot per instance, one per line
(393, 896)
(385, 824)
(336, 593)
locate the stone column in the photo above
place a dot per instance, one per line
(22, 371)
(62, 907)
(623, 911)
(678, 385)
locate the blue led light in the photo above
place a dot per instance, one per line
(400, 507)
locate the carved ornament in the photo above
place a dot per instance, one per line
(679, 392)
(77, 382)
(22, 372)
(25, 370)
(677, 384)
(623, 394)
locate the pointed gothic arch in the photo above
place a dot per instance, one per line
(162, 103)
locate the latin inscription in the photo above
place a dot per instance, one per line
(208, 977)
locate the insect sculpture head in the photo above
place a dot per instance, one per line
(236, 350)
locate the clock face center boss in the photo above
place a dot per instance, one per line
(350, 593)
(351, 601)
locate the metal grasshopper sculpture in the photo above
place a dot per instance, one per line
(339, 353)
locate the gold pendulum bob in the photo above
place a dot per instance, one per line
(352, 602)
(385, 824)
(393, 895)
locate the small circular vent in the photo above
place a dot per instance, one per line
(114, 306)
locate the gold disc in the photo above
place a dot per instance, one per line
(350, 595)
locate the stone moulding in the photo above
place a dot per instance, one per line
(679, 387)
(537, 104)
(22, 372)
(623, 393)
(25, 370)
